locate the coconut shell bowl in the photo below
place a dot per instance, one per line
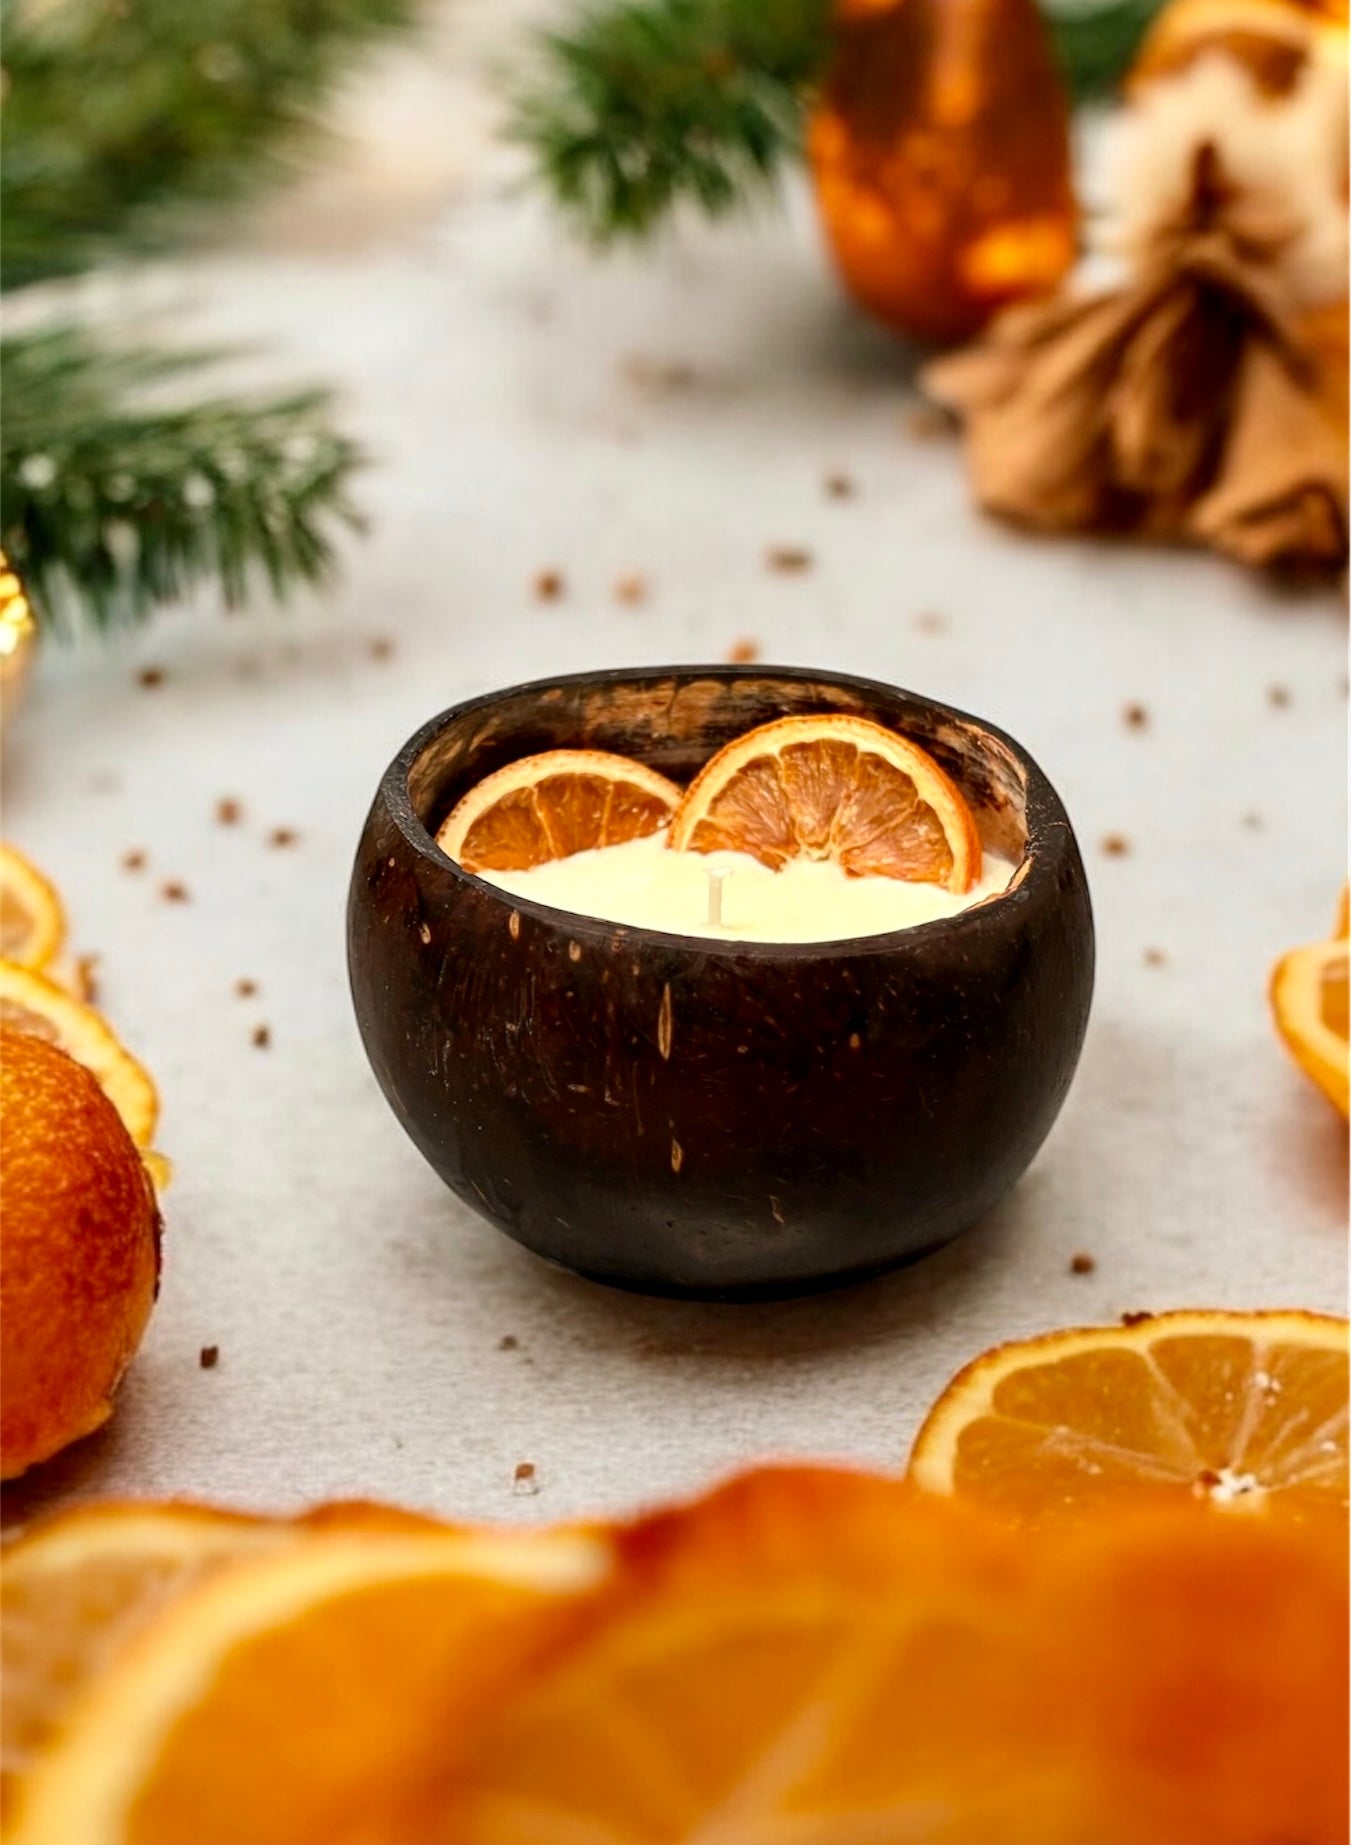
(691, 1117)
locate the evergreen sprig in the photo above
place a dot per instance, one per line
(122, 122)
(113, 501)
(646, 104)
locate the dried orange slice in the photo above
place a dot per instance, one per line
(32, 1003)
(308, 1696)
(1309, 998)
(550, 806)
(32, 922)
(1242, 1409)
(832, 787)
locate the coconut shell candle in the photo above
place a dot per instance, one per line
(719, 1112)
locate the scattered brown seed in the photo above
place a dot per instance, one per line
(1116, 845)
(1135, 1319)
(174, 892)
(929, 621)
(1253, 822)
(550, 585)
(631, 589)
(743, 652)
(1135, 717)
(840, 486)
(262, 1037)
(523, 1481)
(86, 978)
(209, 1357)
(380, 647)
(133, 860)
(282, 836)
(1155, 957)
(788, 560)
(508, 1343)
(245, 987)
(925, 422)
(150, 677)
(658, 376)
(229, 812)
(1278, 696)
(1082, 1264)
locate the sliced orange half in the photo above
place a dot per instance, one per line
(550, 806)
(32, 923)
(309, 1696)
(832, 787)
(30, 1002)
(1245, 1410)
(1309, 998)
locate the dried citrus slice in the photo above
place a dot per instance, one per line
(1309, 998)
(957, 1689)
(306, 1697)
(550, 806)
(1243, 1409)
(32, 923)
(32, 1003)
(832, 787)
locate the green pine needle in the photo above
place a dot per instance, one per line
(112, 505)
(646, 104)
(122, 122)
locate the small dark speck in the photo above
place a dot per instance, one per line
(1082, 1264)
(282, 836)
(631, 589)
(840, 486)
(1135, 717)
(245, 987)
(1278, 696)
(150, 677)
(924, 422)
(1116, 845)
(743, 652)
(550, 585)
(174, 892)
(1253, 822)
(1155, 957)
(262, 1037)
(508, 1343)
(788, 560)
(1137, 1318)
(380, 647)
(209, 1357)
(133, 861)
(523, 1481)
(929, 621)
(229, 812)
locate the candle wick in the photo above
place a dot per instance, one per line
(716, 880)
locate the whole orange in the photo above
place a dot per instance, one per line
(79, 1251)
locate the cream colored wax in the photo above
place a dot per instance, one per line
(643, 883)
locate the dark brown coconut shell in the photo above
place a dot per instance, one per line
(687, 1117)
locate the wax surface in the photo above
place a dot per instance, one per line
(645, 884)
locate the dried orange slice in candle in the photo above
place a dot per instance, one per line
(308, 1696)
(32, 923)
(1309, 992)
(32, 1003)
(833, 787)
(550, 806)
(1246, 1410)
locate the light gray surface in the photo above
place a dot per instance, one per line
(514, 394)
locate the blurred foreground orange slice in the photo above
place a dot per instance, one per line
(832, 787)
(932, 1682)
(1245, 1410)
(32, 922)
(550, 806)
(1309, 997)
(32, 1003)
(307, 1697)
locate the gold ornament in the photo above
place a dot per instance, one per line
(18, 635)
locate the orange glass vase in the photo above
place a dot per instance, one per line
(940, 155)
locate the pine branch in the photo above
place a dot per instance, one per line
(112, 504)
(121, 120)
(647, 104)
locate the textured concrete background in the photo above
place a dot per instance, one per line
(672, 415)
